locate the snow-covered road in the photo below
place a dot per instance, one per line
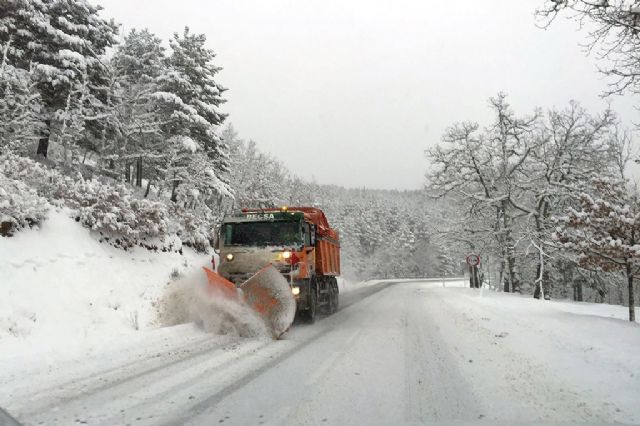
(396, 352)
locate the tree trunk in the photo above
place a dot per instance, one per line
(546, 285)
(472, 277)
(545, 291)
(511, 264)
(514, 284)
(139, 172)
(127, 173)
(577, 292)
(537, 292)
(542, 273)
(146, 193)
(43, 143)
(632, 302)
(503, 277)
(476, 277)
(174, 190)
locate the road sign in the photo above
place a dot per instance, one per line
(473, 260)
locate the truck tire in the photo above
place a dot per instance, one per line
(312, 310)
(330, 309)
(335, 296)
(326, 291)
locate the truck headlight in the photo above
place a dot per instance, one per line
(295, 291)
(229, 257)
(286, 255)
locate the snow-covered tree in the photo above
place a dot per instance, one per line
(20, 206)
(190, 95)
(258, 179)
(605, 231)
(62, 42)
(19, 110)
(614, 26)
(571, 148)
(483, 168)
(138, 63)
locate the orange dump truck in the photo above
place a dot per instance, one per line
(297, 241)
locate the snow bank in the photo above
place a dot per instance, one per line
(554, 307)
(63, 291)
(554, 352)
(345, 285)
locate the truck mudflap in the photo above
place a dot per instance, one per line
(267, 292)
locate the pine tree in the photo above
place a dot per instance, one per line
(19, 110)
(137, 65)
(190, 95)
(62, 41)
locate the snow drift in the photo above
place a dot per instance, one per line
(189, 300)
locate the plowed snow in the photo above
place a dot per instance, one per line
(189, 300)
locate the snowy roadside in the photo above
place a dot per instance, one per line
(553, 354)
(346, 285)
(66, 294)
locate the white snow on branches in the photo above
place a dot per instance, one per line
(20, 206)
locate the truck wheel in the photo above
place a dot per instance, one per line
(335, 297)
(310, 313)
(327, 305)
(331, 300)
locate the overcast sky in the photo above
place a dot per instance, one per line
(352, 92)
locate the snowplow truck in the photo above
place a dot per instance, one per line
(297, 242)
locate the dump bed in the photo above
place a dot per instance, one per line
(327, 256)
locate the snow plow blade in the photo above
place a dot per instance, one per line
(221, 285)
(267, 293)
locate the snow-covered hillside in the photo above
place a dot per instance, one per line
(66, 295)
(62, 289)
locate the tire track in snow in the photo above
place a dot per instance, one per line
(362, 383)
(151, 381)
(113, 378)
(97, 380)
(435, 389)
(209, 403)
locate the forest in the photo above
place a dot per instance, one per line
(132, 138)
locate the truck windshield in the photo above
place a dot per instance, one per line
(262, 234)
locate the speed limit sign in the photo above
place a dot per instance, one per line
(473, 260)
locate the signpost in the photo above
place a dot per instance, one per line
(473, 260)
